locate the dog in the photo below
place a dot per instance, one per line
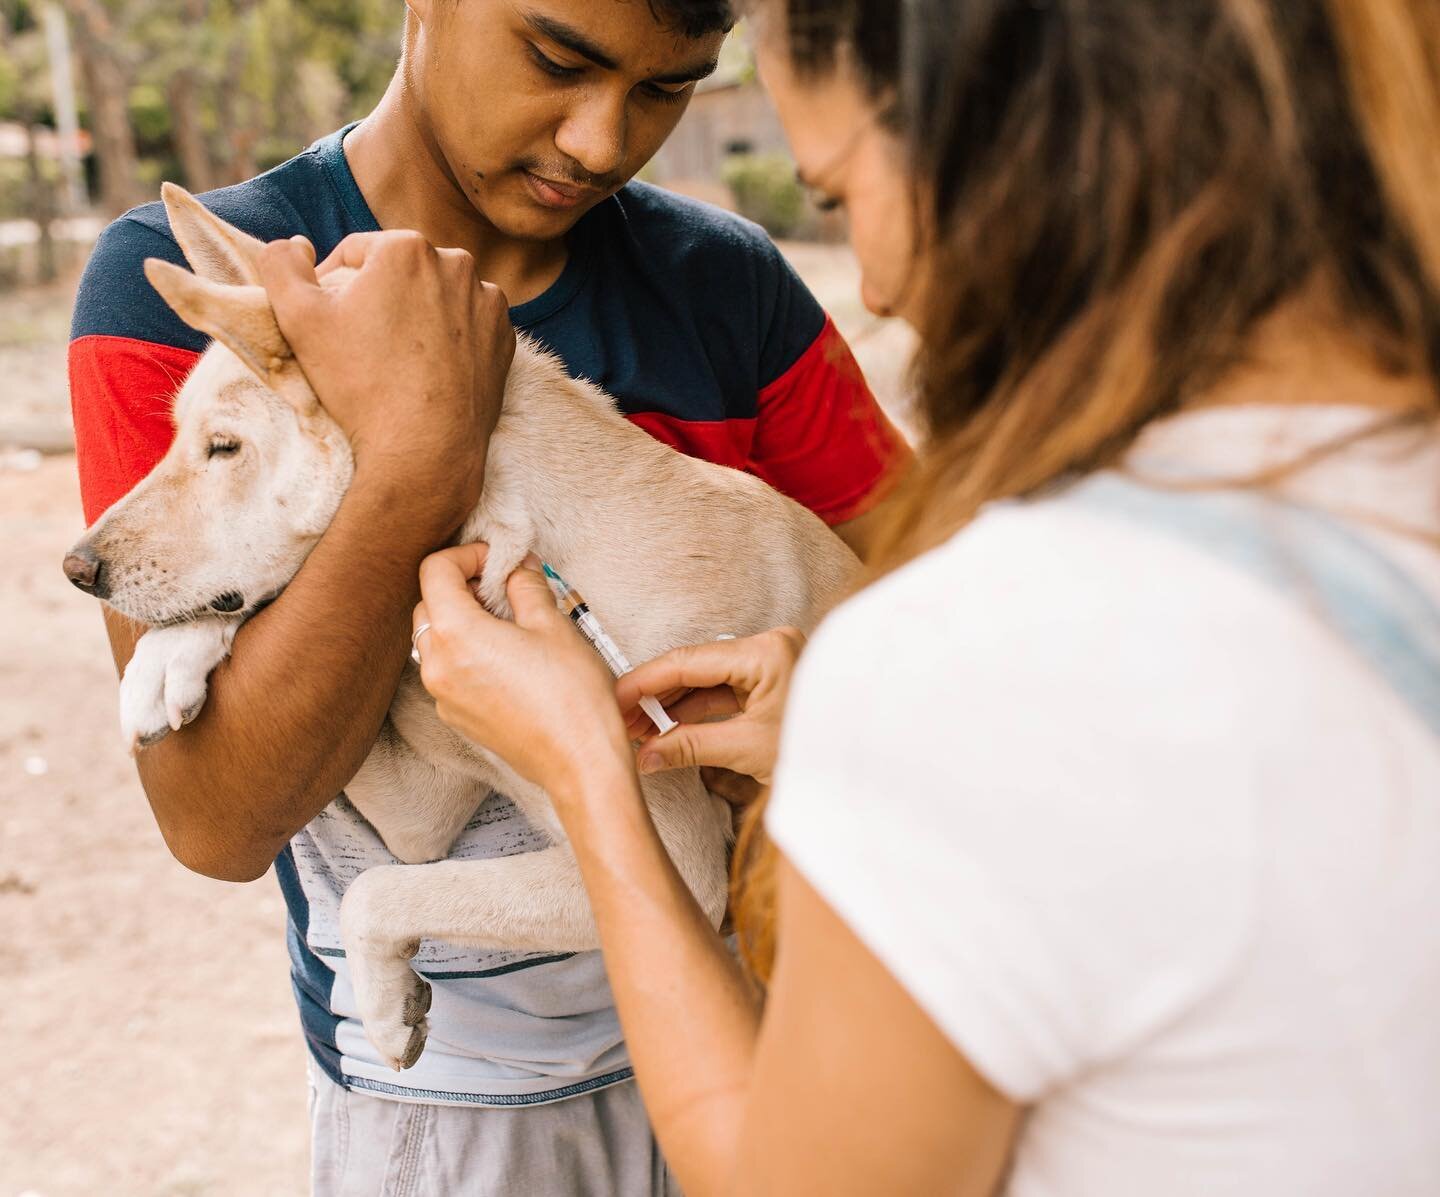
(256, 472)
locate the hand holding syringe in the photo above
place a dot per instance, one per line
(574, 605)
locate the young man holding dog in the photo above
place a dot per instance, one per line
(510, 133)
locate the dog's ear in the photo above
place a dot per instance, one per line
(215, 250)
(238, 317)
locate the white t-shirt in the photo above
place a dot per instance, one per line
(1154, 847)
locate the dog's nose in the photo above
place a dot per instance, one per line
(86, 571)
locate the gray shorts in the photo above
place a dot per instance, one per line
(596, 1145)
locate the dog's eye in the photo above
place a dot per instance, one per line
(223, 448)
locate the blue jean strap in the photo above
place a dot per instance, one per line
(1314, 558)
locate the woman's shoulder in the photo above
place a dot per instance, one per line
(1065, 575)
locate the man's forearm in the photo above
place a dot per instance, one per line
(291, 715)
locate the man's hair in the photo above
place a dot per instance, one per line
(694, 18)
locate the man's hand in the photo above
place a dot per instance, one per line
(407, 350)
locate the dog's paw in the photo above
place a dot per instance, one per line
(392, 998)
(166, 681)
(393, 1001)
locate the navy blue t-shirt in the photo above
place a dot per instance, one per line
(697, 326)
(686, 314)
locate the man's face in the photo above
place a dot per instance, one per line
(542, 108)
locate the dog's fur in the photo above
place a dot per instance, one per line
(669, 551)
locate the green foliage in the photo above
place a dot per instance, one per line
(149, 113)
(766, 191)
(14, 189)
(267, 77)
(9, 82)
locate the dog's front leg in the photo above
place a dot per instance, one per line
(531, 902)
(165, 682)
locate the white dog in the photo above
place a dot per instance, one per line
(257, 471)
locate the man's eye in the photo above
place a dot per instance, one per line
(223, 448)
(550, 66)
(664, 95)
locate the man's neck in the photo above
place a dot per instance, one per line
(408, 185)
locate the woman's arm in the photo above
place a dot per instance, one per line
(690, 1015)
(849, 1088)
(853, 1089)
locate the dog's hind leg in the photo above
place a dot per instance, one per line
(417, 807)
(534, 901)
(531, 902)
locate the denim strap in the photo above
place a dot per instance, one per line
(1315, 558)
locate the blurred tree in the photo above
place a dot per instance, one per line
(207, 92)
(101, 47)
(24, 92)
(186, 96)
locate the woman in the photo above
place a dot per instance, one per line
(1107, 822)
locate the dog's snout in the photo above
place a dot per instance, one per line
(86, 571)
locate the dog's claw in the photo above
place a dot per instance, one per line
(146, 739)
(417, 1005)
(184, 716)
(413, 1048)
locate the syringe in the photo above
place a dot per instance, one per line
(583, 618)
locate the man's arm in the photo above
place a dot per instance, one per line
(410, 357)
(293, 712)
(861, 532)
(820, 435)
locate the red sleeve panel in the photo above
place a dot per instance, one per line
(821, 437)
(121, 394)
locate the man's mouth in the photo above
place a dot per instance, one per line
(558, 195)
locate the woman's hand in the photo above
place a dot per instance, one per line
(745, 679)
(531, 691)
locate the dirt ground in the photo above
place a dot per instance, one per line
(150, 1042)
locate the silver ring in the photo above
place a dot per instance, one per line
(415, 642)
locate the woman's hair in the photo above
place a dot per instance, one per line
(1115, 193)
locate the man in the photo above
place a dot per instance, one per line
(510, 131)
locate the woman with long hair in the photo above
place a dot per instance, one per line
(1103, 850)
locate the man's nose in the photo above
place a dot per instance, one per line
(594, 134)
(86, 571)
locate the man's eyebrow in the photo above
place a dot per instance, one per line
(572, 39)
(577, 43)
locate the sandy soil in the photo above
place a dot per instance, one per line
(150, 1041)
